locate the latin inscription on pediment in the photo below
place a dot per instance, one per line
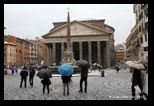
(77, 39)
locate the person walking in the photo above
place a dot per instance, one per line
(84, 76)
(31, 75)
(136, 81)
(117, 68)
(23, 75)
(46, 81)
(13, 68)
(66, 81)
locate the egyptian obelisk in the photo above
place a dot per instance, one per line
(68, 54)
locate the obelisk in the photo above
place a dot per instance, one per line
(68, 54)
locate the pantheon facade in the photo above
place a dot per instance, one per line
(91, 40)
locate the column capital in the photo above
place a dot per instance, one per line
(80, 42)
(89, 43)
(98, 42)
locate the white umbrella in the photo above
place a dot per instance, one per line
(135, 65)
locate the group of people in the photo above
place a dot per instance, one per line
(24, 74)
(66, 80)
(138, 79)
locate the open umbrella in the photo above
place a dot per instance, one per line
(66, 69)
(98, 65)
(82, 64)
(144, 61)
(44, 73)
(135, 65)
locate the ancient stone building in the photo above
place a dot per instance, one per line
(91, 40)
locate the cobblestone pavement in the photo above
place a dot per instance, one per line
(114, 86)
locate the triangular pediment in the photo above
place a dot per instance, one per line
(76, 28)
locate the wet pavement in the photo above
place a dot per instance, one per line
(113, 86)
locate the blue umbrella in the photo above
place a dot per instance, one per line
(66, 69)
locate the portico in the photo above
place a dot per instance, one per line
(87, 42)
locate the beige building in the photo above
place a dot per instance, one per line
(9, 53)
(91, 40)
(137, 41)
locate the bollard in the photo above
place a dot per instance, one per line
(102, 73)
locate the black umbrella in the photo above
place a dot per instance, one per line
(83, 64)
(44, 73)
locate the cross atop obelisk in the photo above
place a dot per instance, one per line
(68, 54)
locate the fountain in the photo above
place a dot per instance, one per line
(68, 54)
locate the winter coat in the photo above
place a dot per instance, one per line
(31, 72)
(24, 74)
(46, 81)
(66, 79)
(84, 72)
(136, 79)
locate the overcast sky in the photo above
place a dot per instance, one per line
(34, 20)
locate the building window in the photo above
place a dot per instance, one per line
(145, 49)
(141, 39)
(146, 25)
(145, 37)
(146, 12)
(139, 29)
(140, 16)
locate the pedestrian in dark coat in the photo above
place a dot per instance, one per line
(136, 80)
(31, 74)
(117, 68)
(46, 81)
(66, 80)
(23, 75)
(84, 76)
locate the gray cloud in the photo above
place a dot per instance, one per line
(34, 20)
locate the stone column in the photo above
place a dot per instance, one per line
(80, 49)
(98, 52)
(54, 53)
(47, 55)
(62, 50)
(107, 54)
(50, 58)
(89, 50)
